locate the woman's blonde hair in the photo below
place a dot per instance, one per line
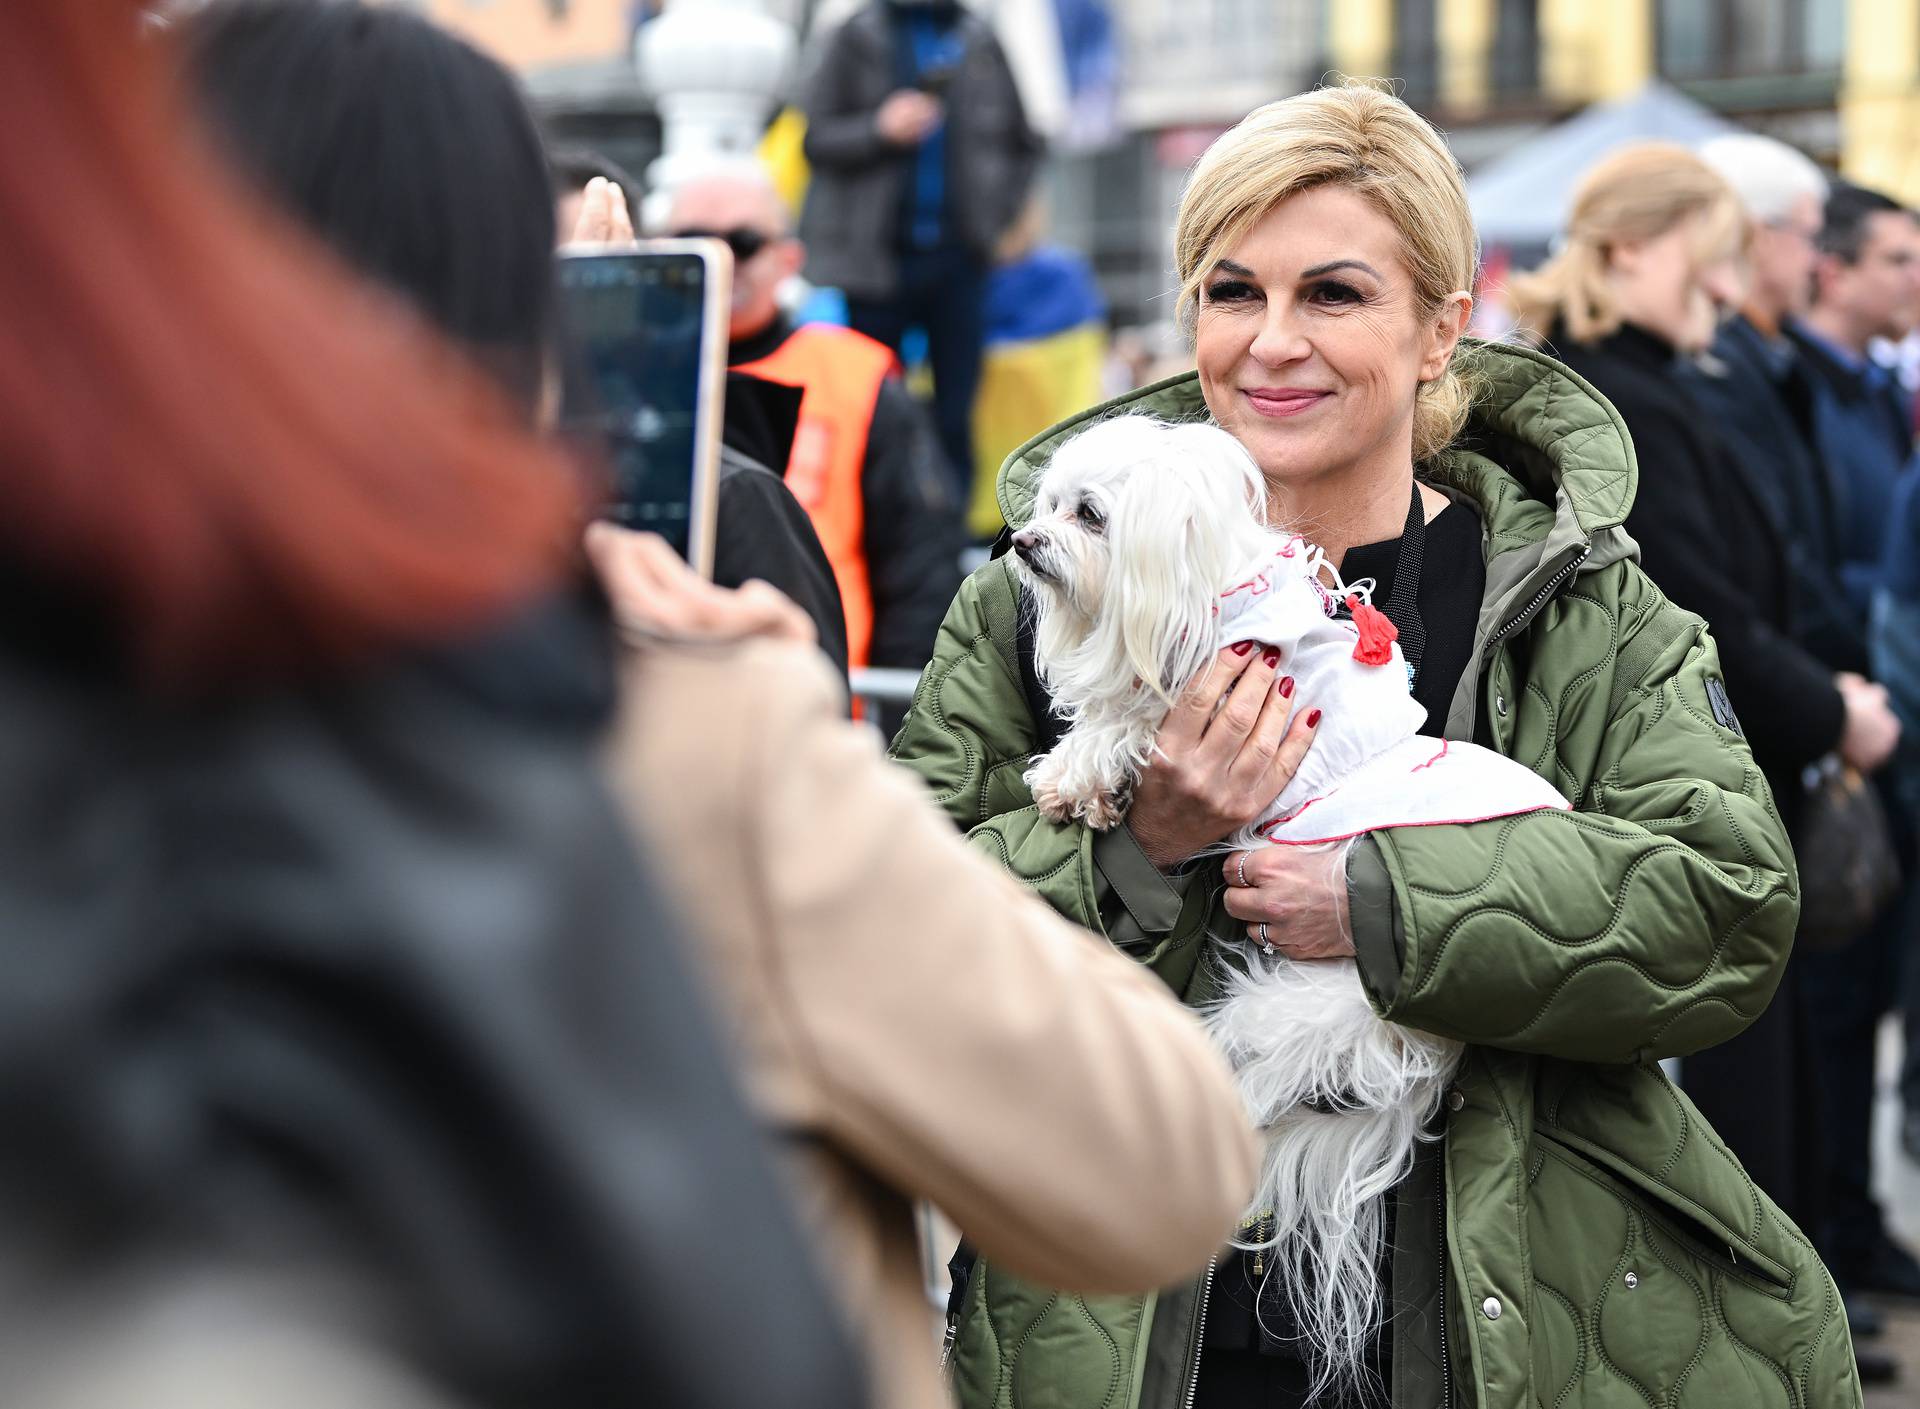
(1365, 139)
(1637, 193)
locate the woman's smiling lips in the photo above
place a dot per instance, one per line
(1283, 401)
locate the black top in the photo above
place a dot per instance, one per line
(1254, 1359)
(1707, 541)
(1453, 578)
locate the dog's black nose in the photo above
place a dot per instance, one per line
(1025, 541)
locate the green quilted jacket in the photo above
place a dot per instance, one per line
(1579, 1236)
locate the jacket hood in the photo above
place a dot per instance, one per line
(1538, 434)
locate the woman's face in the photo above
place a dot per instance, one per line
(1664, 285)
(1310, 341)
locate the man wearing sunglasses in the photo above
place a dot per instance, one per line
(865, 463)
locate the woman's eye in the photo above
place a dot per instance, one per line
(1332, 291)
(1231, 291)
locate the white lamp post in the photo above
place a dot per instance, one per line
(714, 68)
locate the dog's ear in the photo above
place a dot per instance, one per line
(1163, 583)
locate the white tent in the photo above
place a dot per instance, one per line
(1520, 198)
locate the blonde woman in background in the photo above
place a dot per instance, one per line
(1573, 1234)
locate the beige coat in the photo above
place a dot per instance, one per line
(914, 1022)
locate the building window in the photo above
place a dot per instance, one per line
(1750, 38)
(1515, 67)
(1416, 50)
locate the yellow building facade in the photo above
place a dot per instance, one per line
(1592, 50)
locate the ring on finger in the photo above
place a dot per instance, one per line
(1266, 940)
(1240, 870)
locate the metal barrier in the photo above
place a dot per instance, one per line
(873, 689)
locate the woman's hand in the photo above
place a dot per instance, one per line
(1293, 899)
(655, 594)
(1217, 766)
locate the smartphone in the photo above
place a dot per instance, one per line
(646, 337)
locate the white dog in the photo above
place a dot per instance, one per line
(1148, 552)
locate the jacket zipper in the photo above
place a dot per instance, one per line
(1440, 1198)
(1540, 598)
(1200, 1333)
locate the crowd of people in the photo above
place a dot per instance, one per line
(462, 957)
(1729, 304)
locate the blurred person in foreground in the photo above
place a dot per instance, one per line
(1325, 252)
(910, 1024)
(347, 1053)
(922, 158)
(865, 463)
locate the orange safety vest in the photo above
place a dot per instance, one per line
(839, 373)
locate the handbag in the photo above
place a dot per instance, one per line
(1849, 870)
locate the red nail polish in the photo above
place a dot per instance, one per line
(1240, 648)
(1313, 720)
(1286, 687)
(1272, 658)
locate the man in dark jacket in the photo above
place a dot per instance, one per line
(1863, 289)
(1761, 394)
(863, 461)
(922, 158)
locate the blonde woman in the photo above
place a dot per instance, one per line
(1573, 1233)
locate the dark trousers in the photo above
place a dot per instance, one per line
(1760, 1093)
(943, 292)
(1847, 991)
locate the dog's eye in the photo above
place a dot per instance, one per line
(1089, 514)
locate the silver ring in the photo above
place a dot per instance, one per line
(1266, 943)
(1240, 869)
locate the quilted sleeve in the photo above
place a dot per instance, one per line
(1653, 920)
(970, 737)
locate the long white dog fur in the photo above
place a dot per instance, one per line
(1138, 529)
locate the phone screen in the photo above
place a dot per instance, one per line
(647, 334)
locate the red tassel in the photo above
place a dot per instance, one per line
(1377, 633)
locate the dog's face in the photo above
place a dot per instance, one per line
(1065, 551)
(1136, 528)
